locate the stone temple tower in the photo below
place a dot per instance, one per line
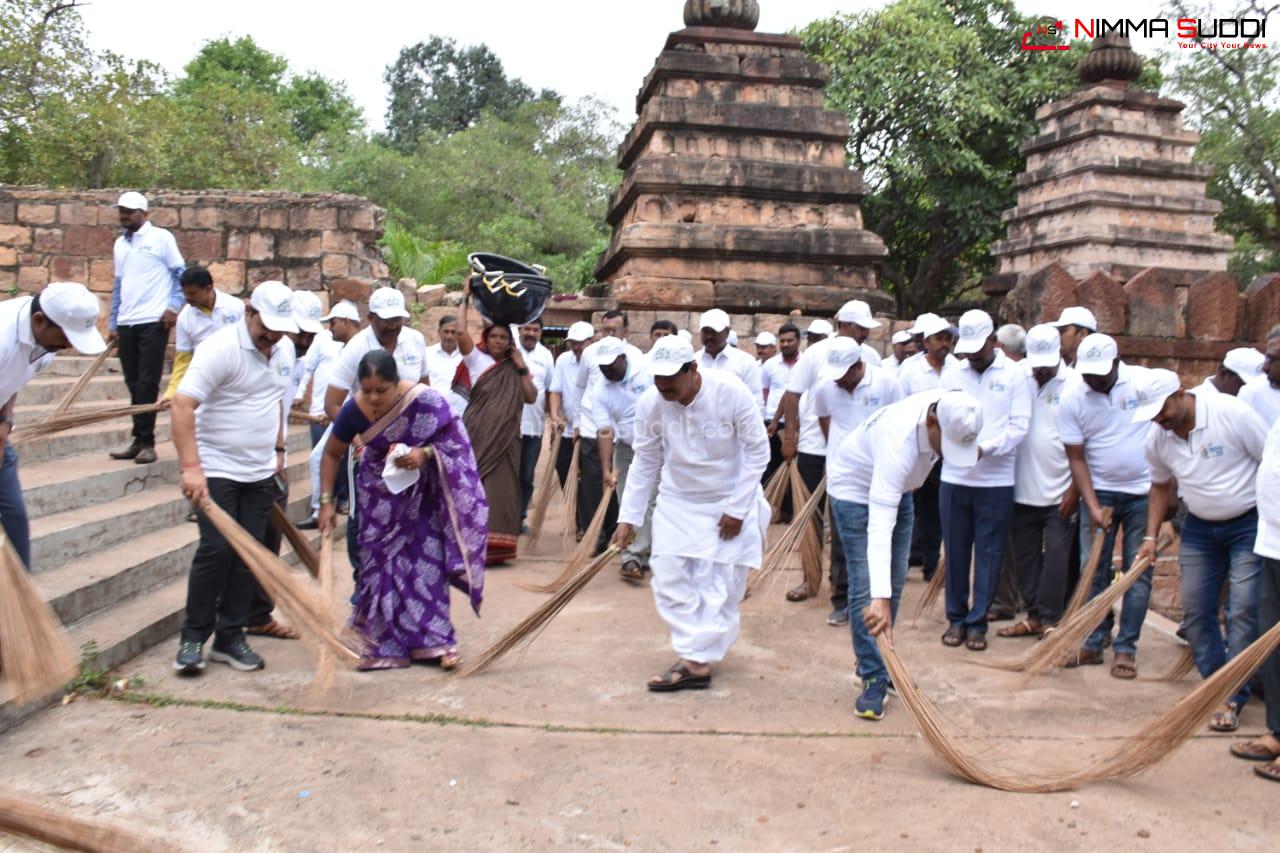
(737, 194)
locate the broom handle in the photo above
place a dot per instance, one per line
(42, 824)
(69, 398)
(305, 550)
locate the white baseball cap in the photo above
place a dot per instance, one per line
(716, 320)
(608, 349)
(842, 354)
(133, 201)
(820, 327)
(344, 310)
(307, 311)
(766, 339)
(581, 331)
(976, 328)
(930, 325)
(684, 334)
(1096, 355)
(388, 304)
(1044, 346)
(1245, 362)
(74, 310)
(274, 302)
(858, 312)
(1159, 386)
(903, 337)
(732, 339)
(960, 417)
(1077, 316)
(669, 354)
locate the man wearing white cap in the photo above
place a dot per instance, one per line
(1210, 446)
(702, 432)
(146, 296)
(716, 354)
(33, 329)
(872, 475)
(1043, 531)
(1263, 393)
(1239, 367)
(774, 374)
(856, 315)
(563, 397)
(977, 500)
(533, 417)
(326, 349)
(1107, 454)
(849, 391)
(766, 346)
(206, 311)
(615, 413)
(229, 426)
(903, 348)
(1074, 325)
(443, 358)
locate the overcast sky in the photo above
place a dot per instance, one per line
(577, 47)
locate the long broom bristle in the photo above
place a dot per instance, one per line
(547, 486)
(932, 590)
(71, 396)
(570, 533)
(324, 568)
(1182, 666)
(775, 559)
(810, 539)
(51, 426)
(775, 491)
(294, 597)
(43, 824)
(35, 655)
(586, 548)
(1090, 569)
(296, 417)
(303, 548)
(1157, 741)
(539, 618)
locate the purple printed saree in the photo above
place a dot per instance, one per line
(416, 544)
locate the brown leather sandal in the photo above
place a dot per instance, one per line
(275, 629)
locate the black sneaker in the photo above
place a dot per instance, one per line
(839, 616)
(312, 523)
(190, 659)
(238, 656)
(130, 452)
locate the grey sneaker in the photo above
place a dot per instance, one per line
(237, 656)
(839, 616)
(190, 659)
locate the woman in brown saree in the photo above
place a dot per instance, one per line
(495, 381)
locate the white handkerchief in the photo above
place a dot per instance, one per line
(398, 479)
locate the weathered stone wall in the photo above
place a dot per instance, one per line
(320, 242)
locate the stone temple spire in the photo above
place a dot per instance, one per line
(1110, 60)
(733, 14)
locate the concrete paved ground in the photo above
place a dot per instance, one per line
(561, 746)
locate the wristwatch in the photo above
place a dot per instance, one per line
(522, 371)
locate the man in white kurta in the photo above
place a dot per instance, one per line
(702, 432)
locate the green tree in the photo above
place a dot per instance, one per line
(239, 65)
(438, 86)
(1233, 99)
(939, 100)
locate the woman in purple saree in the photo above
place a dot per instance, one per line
(416, 543)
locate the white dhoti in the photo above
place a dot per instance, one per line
(698, 578)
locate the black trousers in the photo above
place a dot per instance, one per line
(775, 462)
(927, 533)
(591, 492)
(1268, 616)
(142, 360)
(530, 447)
(812, 469)
(1042, 559)
(262, 607)
(220, 587)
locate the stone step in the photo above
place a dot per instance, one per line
(65, 536)
(96, 439)
(49, 390)
(71, 482)
(75, 365)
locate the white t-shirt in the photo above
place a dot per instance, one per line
(410, 355)
(803, 380)
(564, 381)
(774, 374)
(1217, 465)
(1114, 446)
(590, 381)
(916, 374)
(1006, 413)
(541, 364)
(195, 324)
(441, 366)
(848, 410)
(1207, 387)
(1043, 474)
(241, 394)
(1268, 496)
(146, 262)
(316, 368)
(1264, 397)
(615, 406)
(738, 363)
(21, 357)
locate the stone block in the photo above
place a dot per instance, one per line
(431, 295)
(359, 219)
(1262, 307)
(32, 278)
(340, 241)
(1107, 300)
(228, 275)
(239, 216)
(90, 240)
(299, 247)
(47, 240)
(1214, 307)
(250, 246)
(64, 268)
(335, 265)
(8, 212)
(15, 235)
(37, 214)
(1039, 297)
(640, 292)
(304, 277)
(102, 275)
(274, 218)
(312, 218)
(8, 280)
(257, 275)
(78, 213)
(8, 256)
(1152, 304)
(199, 218)
(200, 247)
(162, 217)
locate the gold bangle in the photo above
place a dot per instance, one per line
(325, 498)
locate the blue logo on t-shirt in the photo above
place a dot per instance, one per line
(1213, 451)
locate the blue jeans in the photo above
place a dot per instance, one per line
(1214, 553)
(13, 510)
(975, 527)
(850, 519)
(1130, 512)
